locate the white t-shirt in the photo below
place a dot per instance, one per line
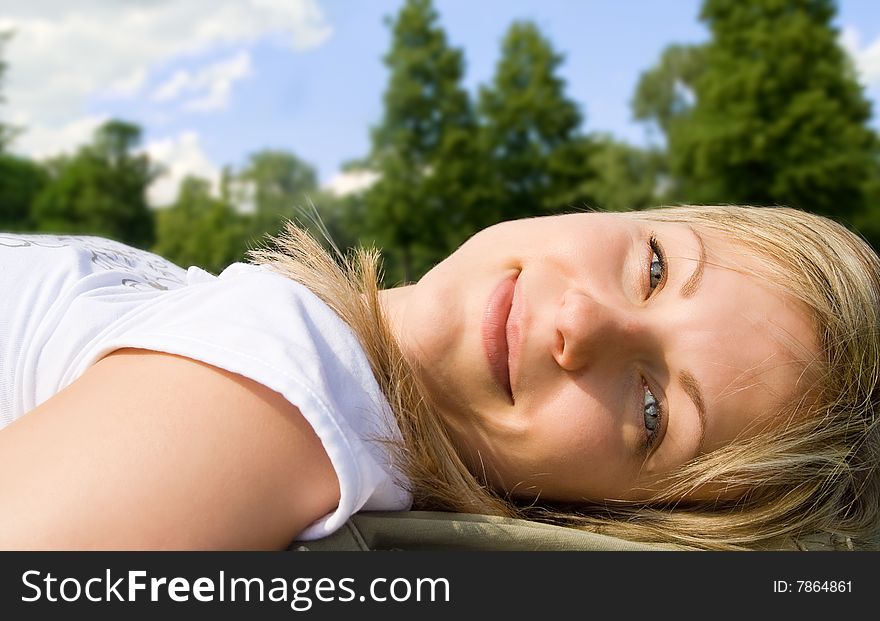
(66, 301)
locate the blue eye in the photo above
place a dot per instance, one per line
(653, 416)
(657, 269)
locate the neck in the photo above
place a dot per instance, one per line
(394, 304)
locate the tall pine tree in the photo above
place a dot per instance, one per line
(664, 97)
(778, 117)
(531, 129)
(428, 197)
(665, 93)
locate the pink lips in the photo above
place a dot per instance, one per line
(494, 332)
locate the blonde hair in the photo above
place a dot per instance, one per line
(815, 471)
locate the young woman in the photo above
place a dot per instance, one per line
(699, 375)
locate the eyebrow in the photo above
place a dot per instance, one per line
(689, 384)
(687, 381)
(690, 286)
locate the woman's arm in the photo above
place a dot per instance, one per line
(154, 451)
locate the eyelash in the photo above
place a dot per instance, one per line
(652, 434)
(655, 249)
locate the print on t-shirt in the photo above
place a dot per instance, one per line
(148, 270)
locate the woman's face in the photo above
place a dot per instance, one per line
(581, 357)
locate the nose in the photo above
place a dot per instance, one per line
(588, 330)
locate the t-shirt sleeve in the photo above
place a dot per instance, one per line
(274, 331)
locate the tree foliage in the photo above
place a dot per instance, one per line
(21, 180)
(200, 229)
(665, 93)
(278, 182)
(101, 190)
(429, 194)
(622, 177)
(778, 116)
(531, 130)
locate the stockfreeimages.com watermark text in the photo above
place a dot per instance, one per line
(301, 593)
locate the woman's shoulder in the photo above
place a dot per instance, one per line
(264, 326)
(139, 450)
(247, 312)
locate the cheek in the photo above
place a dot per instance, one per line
(576, 436)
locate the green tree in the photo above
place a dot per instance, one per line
(624, 176)
(664, 97)
(199, 229)
(430, 192)
(531, 130)
(276, 186)
(665, 93)
(778, 116)
(21, 180)
(101, 190)
(867, 222)
(343, 215)
(278, 183)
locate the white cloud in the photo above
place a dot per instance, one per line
(866, 58)
(129, 85)
(351, 182)
(209, 88)
(180, 155)
(172, 87)
(64, 55)
(44, 141)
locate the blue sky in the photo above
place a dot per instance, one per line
(212, 81)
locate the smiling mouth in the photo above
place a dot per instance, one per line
(494, 333)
